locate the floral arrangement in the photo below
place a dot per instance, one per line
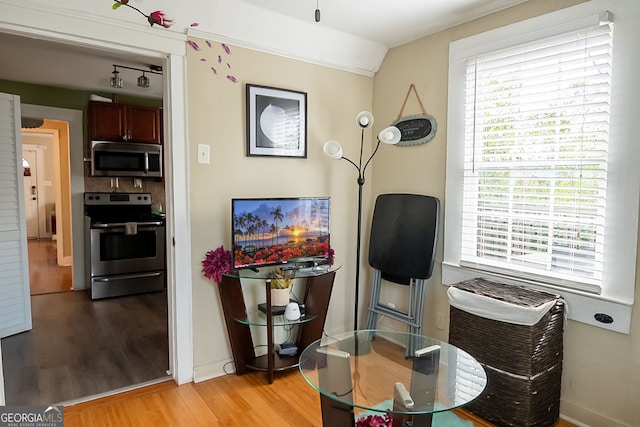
(375, 421)
(157, 17)
(216, 263)
(282, 279)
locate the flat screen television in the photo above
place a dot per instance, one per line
(273, 231)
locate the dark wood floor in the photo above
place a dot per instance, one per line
(79, 347)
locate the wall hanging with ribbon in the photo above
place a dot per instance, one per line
(417, 128)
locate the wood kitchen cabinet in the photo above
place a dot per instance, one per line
(123, 122)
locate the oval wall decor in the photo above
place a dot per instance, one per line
(416, 129)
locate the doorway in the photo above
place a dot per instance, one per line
(171, 48)
(77, 347)
(49, 269)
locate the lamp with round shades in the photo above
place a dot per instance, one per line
(390, 135)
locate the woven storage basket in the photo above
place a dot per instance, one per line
(523, 363)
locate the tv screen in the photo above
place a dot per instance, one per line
(273, 231)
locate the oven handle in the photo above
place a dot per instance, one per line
(122, 224)
(127, 276)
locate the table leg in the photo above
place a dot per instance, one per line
(336, 414)
(400, 420)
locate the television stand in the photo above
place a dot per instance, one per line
(317, 294)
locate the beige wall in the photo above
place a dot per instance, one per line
(601, 376)
(216, 111)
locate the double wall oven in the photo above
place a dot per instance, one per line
(125, 244)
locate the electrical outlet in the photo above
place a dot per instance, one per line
(440, 321)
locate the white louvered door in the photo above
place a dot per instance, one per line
(15, 304)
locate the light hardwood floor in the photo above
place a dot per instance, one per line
(231, 400)
(45, 275)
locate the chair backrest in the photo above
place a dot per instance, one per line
(404, 232)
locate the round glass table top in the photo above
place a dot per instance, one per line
(392, 372)
(304, 267)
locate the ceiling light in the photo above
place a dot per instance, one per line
(115, 80)
(143, 81)
(317, 12)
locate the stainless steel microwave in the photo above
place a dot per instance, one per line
(124, 159)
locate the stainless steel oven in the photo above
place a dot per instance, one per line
(125, 243)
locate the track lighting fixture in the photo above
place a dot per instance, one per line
(116, 81)
(143, 81)
(317, 12)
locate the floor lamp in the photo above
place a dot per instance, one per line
(390, 135)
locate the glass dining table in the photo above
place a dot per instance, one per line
(366, 373)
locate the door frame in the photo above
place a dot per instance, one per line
(58, 25)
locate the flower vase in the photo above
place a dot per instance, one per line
(279, 296)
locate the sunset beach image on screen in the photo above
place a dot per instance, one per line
(272, 231)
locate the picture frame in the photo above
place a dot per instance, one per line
(276, 122)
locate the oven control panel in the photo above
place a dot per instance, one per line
(115, 199)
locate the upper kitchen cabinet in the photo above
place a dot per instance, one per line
(123, 122)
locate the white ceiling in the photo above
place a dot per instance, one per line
(384, 22)
(389, 22)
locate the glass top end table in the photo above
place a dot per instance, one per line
(367, 372)
(303, 269)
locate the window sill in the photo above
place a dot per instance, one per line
(581, 307)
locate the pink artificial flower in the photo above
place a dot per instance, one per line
(158, 17)
(375, 421)
(216, 263)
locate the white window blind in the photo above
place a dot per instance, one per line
(536, 135)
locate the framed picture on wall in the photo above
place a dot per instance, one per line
(276, 122)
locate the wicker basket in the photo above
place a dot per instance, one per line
(523, 363)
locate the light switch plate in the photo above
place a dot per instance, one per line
(204, 154)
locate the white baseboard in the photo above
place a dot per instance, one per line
(583, 417)
(213, 370)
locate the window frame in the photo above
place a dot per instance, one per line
(623, 183)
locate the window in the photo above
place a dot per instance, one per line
(534, 194)
(535, 164)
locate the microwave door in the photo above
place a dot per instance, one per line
(125, 159)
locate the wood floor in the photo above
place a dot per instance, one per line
(45, 275)
(230, 400)
(79, 347)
